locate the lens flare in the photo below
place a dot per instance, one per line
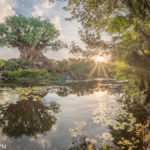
(100, 59)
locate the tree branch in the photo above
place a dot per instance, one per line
(141, 32)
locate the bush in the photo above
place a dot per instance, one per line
(2, 63)
(11, 65)
(15, 64)
(28, 74)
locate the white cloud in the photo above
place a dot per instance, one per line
(40, 140)
(6, 7)
(42, 9)
(56, 21)
(7, 53)
(13, 3)
(61, 54)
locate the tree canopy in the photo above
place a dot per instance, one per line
(31, 36)
(123, 20)
(19, 31)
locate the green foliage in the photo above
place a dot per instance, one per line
(88, 70)
(2, 63)
(122, 71)
(80, 70)
(132, 89)
(63, 65)
(14, 64)
(20, 31)
(145, 46)
(65, 70)
(29, 74)
(137, 85)
(118, 24)
(126, 21)
(31, 36)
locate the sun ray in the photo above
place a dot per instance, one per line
(105, 73)
(92, 71)
(90, 74)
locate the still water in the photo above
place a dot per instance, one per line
(84, 115)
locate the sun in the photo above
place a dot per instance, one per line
(100, 59)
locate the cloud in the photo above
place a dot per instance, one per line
(6, 7)
(41, 141)
(42, 9)
(58, 55)
(56, 21)
(7, 53)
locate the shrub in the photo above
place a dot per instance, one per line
(2, 63)
(11, 65)
(28, 74)
(15, 64)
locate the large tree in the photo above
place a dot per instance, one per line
(126, 20)
(31, 36)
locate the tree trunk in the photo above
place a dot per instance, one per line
(36, 57)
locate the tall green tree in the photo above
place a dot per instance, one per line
(31, 36)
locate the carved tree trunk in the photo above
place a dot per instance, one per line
(36, 57)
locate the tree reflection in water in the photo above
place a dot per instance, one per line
(82, 88)
(29, 116)
(82, 143)
(132, 127)
(128, 131)
(127, 121)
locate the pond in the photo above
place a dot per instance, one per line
(85, 115)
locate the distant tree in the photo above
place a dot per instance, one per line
(63, 65)
(31, 36)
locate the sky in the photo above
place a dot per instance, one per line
(44, 9)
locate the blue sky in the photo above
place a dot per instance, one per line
(44, 9)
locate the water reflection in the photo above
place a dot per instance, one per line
(132, 128)
(83, 143)
(89, 87)
(128, 125)
(105, 117)
(125, 133)
(79, 88)
(29, 115)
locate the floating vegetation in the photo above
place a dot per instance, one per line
(77, 131)
(106, 112)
